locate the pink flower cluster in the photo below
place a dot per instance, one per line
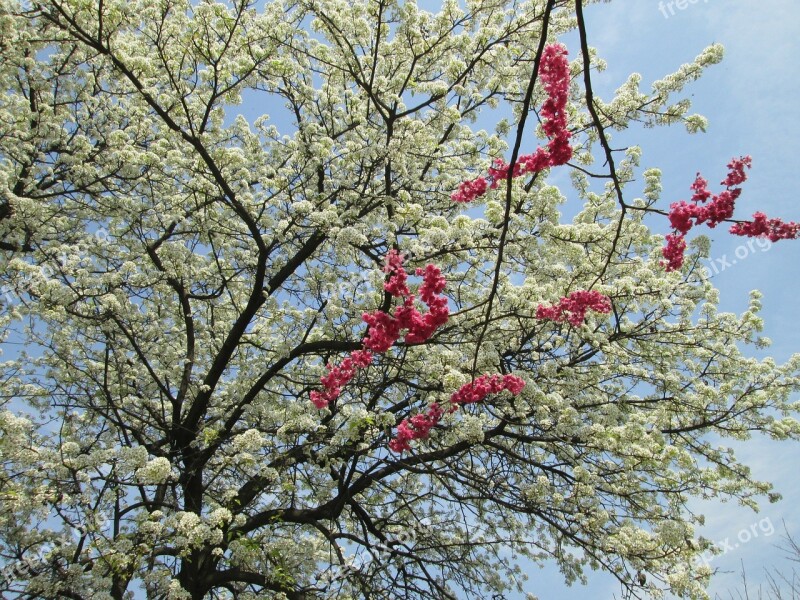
(416, 427)
(385, 330)
(774, 229)
(339, 376)
(554, 71)
(573, 308)
(396, 284)
(683, 216)
(719, 209)
(673, 251)
(419, 426)
(484, 385)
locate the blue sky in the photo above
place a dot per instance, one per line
(751, 101)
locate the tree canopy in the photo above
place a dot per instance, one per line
(364, 347)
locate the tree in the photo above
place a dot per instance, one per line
(288, 360)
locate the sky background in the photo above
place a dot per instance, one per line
(751, 101)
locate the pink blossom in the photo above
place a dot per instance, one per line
(700, 189)
(484, 385)
(560, 150)
(415, 428)
(681, 215)
(719, 209)
(708, 208)
(774, 229)
(554, 72)
(396, 285)
(385, 329)
(673, 251)
(713, 209)
(533, 163)
(420, 425)
(433, 283)
(574, 307)
(339, 376)
(469, 190)
(736, 174)
(423, 326)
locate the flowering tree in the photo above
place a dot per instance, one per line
(354, 351)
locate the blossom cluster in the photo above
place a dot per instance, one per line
(385, 329)
(339, 376)
(416, 427)
(154, 472)
(761, 226)
(419, 426)
(554, 71)
(574, 307)
(713, 209)
(484, 385)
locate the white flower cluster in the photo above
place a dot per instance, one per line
(155, 471)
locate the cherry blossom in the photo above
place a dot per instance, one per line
(574, 307)
(384, 329)
(713, 209)
(420, 425)
(761, 226)
(554, 71)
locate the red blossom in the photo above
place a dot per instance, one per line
(415, 428)
(673, 251)
(484, 385)
(396, 285)
(736, 174)
(385, 329)
(469, 190)
(708, 208)
(339, 376)
(700, 189)
(554, 72)
(574, 307)
(774, 229)
(420, 425)
(681, 215)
